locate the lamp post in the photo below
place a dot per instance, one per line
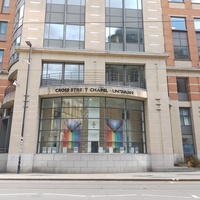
(25, 106)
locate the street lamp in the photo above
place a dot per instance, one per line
(25, 106)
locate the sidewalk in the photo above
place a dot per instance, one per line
(142, 176)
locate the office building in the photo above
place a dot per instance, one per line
(103, 86)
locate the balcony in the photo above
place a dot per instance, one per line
(111, 79)
(9, 89)
(9, 96)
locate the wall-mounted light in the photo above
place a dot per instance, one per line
(15, 83)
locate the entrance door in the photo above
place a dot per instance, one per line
(94, 147)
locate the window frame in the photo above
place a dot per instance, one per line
(3, 30)
(182, 89)
(128, 26)
(186, 130)
(68, 16)
(117, 74)
(63, 77)
(5, 6)
(180, 36)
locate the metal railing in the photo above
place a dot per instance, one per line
(98, 78)
(9, 89)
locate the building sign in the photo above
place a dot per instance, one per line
(103, 90)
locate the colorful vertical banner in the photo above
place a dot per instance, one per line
(114, 133)
(72, 133)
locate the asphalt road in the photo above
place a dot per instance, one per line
(98, 190)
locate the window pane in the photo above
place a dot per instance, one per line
(114, 35)
(181, 53)
(136, 105)
(56, 1)
(73, 72)
(6, 3)
(136, 4)
(178, 23)
(114, 75)
(115, 103)
(1, 57)
(176, 0)
(185, 116)
(114, 3)
(188, 145)
(132, 36)
(75, 33)
(195, 1)
(52, 74)
(182, 85)
(76, 2)
(51, 103)
(197, 24)
(3, 27)
(54, 31)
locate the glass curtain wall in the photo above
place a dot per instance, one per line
(91, 125)
(65, 24)
(17, 31)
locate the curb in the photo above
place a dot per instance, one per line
(100, 179)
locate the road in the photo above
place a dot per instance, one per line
(98, 190)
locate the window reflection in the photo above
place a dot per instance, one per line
(114, 35)
(91, 125)
(124, 32)
(75, 33)
(54, 31)
(178, 23)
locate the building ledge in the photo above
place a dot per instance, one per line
(93, 52)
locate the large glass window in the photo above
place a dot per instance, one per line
(62, 74)
(124, 25)
(3, 29)
(91, 125)
(197, 29)
(65, 24)
(186, 129)
(180, 38)
(125, 75)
